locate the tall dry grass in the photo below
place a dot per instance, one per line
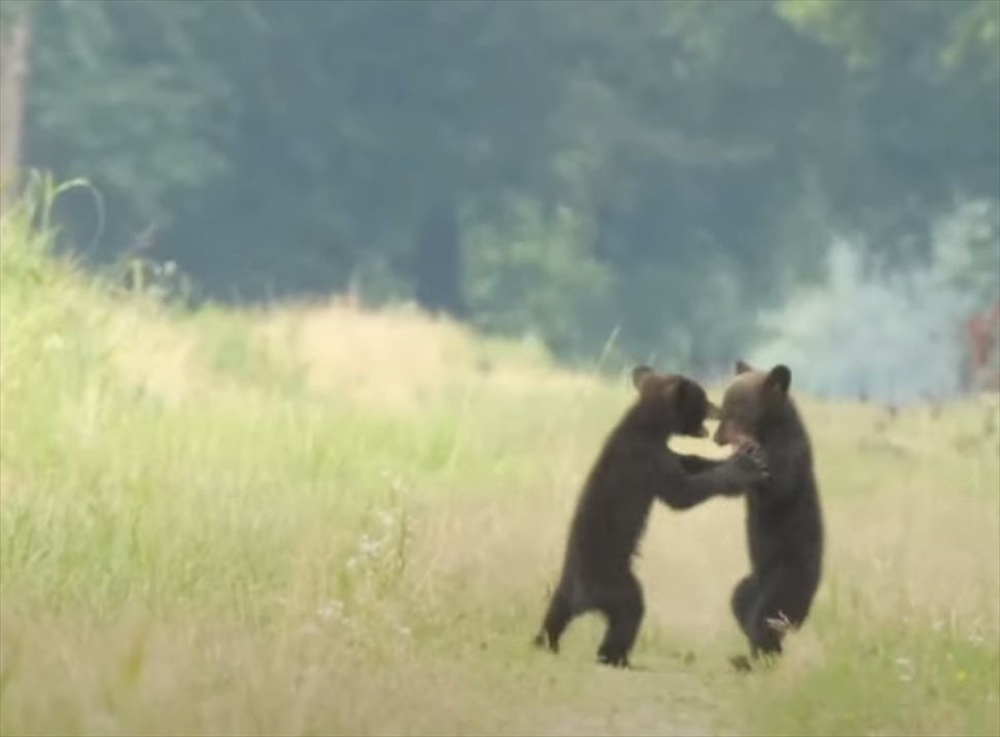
(322, 521)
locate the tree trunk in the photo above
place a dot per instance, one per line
(14, 44)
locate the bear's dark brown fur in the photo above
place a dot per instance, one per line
(634, 467)
(784, 517)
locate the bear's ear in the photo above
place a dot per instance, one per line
(779, 379)
(640, 374)
(742, 367)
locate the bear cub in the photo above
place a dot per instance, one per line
(634, 467)
(784, 519)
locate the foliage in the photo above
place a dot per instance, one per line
(535, 272)
(709, 153)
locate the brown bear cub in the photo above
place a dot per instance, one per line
(784, 518)
(634, 467)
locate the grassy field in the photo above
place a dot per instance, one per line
(318, 520)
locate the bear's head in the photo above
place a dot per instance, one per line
(754, 401)
(672, 403)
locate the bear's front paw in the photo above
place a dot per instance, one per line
(751, 462)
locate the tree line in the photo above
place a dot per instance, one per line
(652, 171)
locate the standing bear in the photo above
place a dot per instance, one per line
(634, 467)
(784, 518)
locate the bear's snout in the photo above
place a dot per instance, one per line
(727, 433)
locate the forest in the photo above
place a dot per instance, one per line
(634, 180)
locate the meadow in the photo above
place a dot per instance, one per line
(318, 519)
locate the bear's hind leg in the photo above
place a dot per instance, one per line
(782, 604)
(742, 603)
(557, 618)
(624, 608)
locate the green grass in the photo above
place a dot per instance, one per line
(317, 520)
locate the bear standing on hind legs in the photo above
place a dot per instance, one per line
(784, 517)
(634, 467)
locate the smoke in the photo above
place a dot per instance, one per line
(893, 338)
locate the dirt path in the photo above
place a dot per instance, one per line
(667, 698)
(645, 722)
